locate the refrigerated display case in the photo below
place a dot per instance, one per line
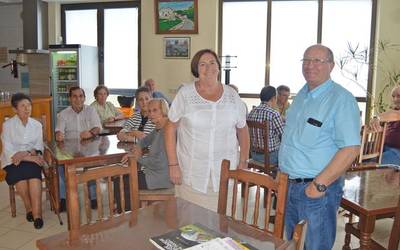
(72, 65)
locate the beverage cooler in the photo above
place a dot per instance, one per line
(72, 65)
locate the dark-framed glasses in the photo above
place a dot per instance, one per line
(315, 61)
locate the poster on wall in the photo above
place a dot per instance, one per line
(177, 47)
(176, 16)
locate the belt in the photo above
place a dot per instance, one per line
(301, 180)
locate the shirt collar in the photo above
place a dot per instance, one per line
(319, 90)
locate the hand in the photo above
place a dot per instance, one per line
(123, 136)
(140, 135)
(111, 119)
(59, 136)
(86, 135)
(125, 159)
(312, 192)
(38, 159)
(137, 152)
(18, 157)
(375, 125)
(175, 174)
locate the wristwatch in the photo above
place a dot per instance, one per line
(320, 187)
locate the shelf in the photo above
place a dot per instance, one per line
(67, 81)
(67, 67)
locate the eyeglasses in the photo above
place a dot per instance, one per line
(315, 61)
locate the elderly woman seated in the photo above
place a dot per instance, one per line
(106, 110)
(391, 150)
(155, 171)
(21, 158)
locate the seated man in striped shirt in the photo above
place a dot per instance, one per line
(266, 112)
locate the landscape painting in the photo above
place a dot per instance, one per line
(176, 17)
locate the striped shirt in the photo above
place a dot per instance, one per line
(264, 112)
(138, 122)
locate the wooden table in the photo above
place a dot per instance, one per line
(83, 153)
(370, 194)
(115, 126)
(133, 230)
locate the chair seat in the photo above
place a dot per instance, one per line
(163, 191)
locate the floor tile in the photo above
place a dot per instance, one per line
(15, 239)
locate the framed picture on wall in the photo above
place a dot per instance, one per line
(177, 47)
(176, 16)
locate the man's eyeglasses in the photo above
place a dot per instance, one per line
(315, 61)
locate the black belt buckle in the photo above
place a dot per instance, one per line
(301, 180)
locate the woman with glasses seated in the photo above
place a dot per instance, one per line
(139, 125)
(22, 159)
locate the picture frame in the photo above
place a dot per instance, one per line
(176, 16)
(177, 47)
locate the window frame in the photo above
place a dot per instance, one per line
(371, 58)
(100, 7)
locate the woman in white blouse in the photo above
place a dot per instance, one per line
(21, 158)
(209, 120)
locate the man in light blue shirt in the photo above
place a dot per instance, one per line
(320, 141)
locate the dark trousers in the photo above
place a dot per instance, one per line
(117, 194)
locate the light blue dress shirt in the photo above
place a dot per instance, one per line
(318, 123)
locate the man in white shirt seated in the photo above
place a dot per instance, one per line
(76, 121)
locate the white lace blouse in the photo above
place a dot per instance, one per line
(206, 134)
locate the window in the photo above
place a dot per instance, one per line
(245, 37)
(293, 29)
(270, 44)
(81, 27)
(114, 29)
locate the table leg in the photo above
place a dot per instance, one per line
(366, 226)
(347, 237)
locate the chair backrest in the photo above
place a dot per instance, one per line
(371, 144)
(43, 121)
(103, 175)
(272, 187)
(395, 233)
(259, 138)
(299, 234)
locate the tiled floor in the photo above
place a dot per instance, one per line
(17, 233)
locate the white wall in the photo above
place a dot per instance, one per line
(170, 73)
(388, 30)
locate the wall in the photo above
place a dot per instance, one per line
(170, 73)
(12, 38)
(388, 27)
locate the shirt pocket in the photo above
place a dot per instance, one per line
(310, 134)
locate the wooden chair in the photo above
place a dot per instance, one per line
(258, 132)
(371, 145)
(299, 234)
(146, 197)
(352, 229)
(278, 186)
(100, 174)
